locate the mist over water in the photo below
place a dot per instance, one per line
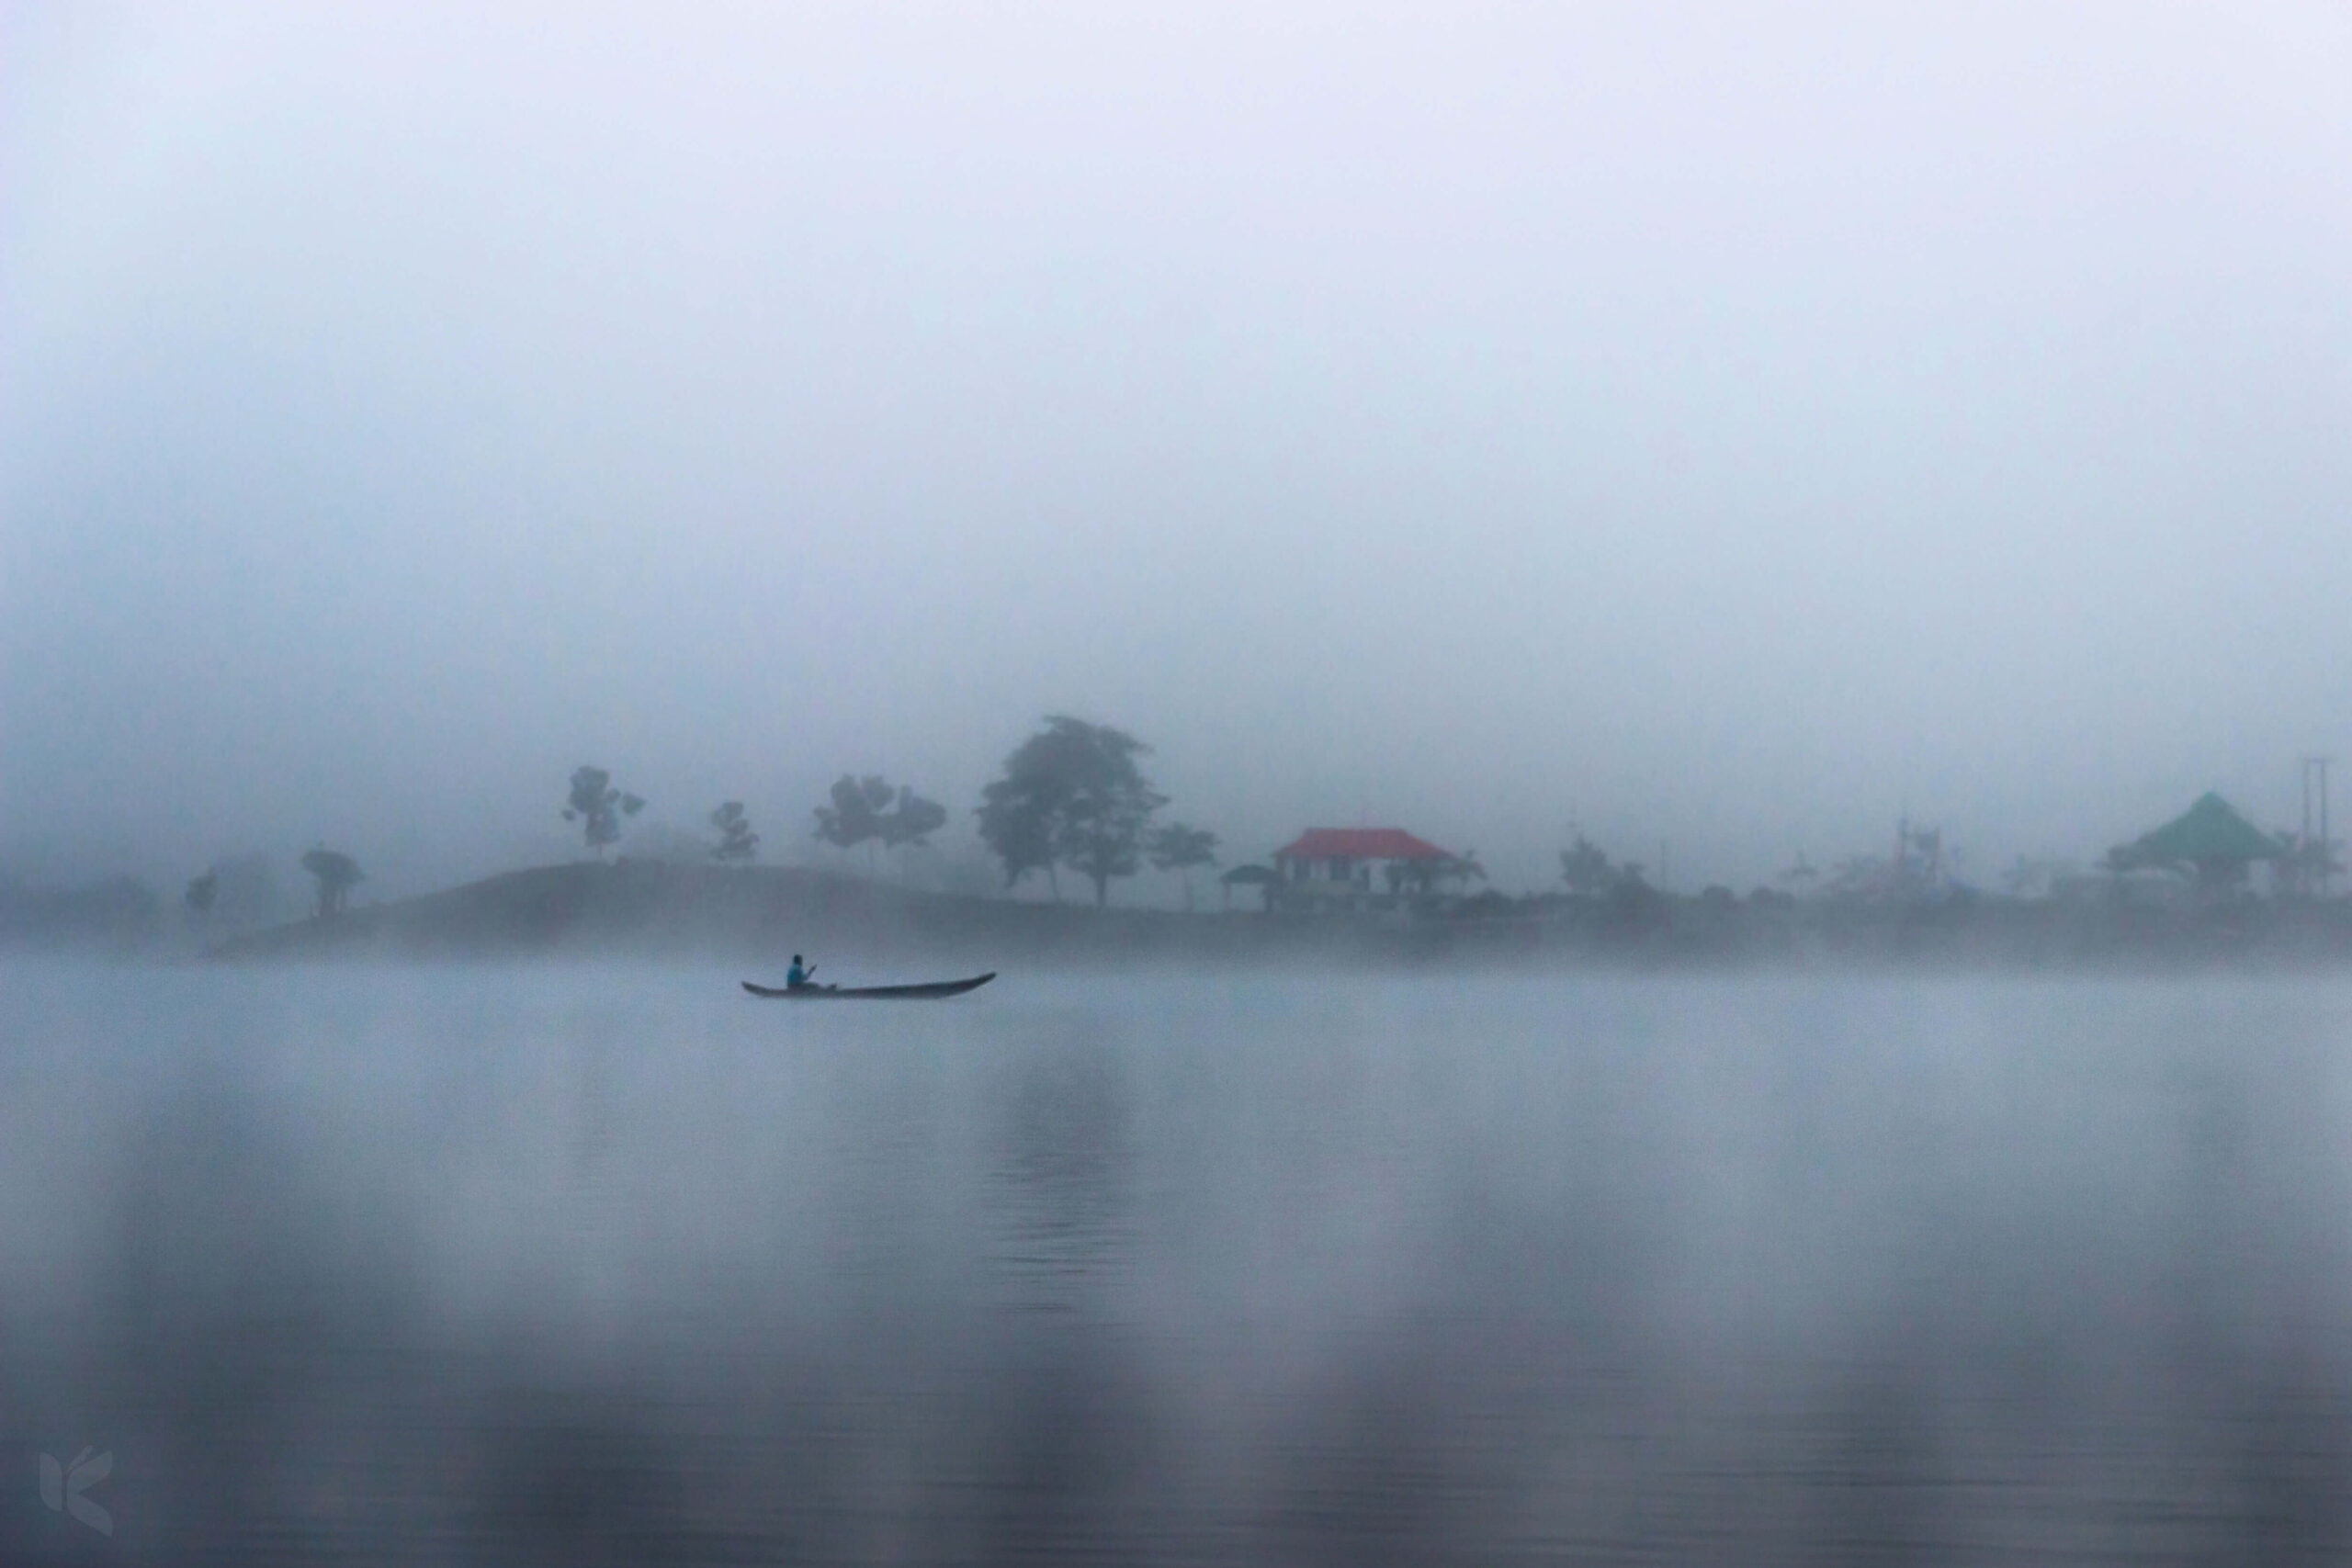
(618, 1266)
(499, 462)
(1718, 431)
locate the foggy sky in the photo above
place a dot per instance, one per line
(1705, 424)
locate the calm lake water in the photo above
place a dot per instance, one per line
(550, 1266)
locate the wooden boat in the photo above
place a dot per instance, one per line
(930, 991)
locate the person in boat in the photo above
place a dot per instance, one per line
(798, 975)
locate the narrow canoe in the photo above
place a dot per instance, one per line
(928, 992)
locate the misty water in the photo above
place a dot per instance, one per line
(579, 1266)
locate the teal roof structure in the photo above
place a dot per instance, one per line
(2208, 833)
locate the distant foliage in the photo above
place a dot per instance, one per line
(1179, 848)
(1072, 795)
(336, 874)
(249, 893)
(737, 843)
(598, 807)
(1424, 878)
(119, 913)
(868, 810)
(911, 822)
(855, 815)
(1017, 815)
(1586, 870)
(203, 892)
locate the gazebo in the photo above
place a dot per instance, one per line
(2209, 837)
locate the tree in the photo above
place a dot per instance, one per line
(1016, 823)
(337, 874)
(1632, 904)
(736, 839)
(1179, 848)
(855, 815)
(910, 822)
(1071, 794)
(598, 807)
(1585, 869)
(1108, 809)
(1424, 878)
(1463, 869)
(203, 892)
(869, 811)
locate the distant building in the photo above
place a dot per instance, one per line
(2210, 841)
(1355, 868)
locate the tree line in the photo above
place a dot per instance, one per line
(1072, 797)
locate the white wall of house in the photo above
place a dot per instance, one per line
(1334, 875)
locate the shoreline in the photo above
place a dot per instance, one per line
(660, 911)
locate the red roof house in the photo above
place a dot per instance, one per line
(1354, 868)
(1359, 843)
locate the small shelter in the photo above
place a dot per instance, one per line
(2210, 838)
(1257, 876)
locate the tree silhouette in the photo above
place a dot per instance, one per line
(1179, 848)
(910, 822)
(736, 839)
(855, 815)
(203, 892)
(1585, 869)
(869, 811)
(599, 808)
(1016, 817)
(1071, 794)
(337, 874)
(1424, 877)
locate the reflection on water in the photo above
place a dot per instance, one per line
(1061, 1175)
(584, 1268)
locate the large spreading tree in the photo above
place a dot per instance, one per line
(1072, 795)
(1016, 817)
